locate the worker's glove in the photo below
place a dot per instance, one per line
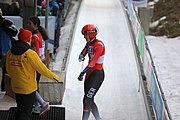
(56, 78)
(80, 78)
(81, 57)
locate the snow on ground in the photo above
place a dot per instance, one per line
(166, 56)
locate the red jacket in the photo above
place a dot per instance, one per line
(96, 52)
(38, 45)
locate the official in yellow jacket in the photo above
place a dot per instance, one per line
(21, 64)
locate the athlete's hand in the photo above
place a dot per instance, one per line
(81, 57)
(80, 78)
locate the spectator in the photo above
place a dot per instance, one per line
(61, 3)
(38, 44)
(8, 31)
(43, 7)
(4, 5)
(22, 63)
(54, 7)
(39, 36)
(55, 11)
(42, 10)
(11, 7)
(19, 4)
(14, 8)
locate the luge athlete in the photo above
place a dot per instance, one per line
(94, 70)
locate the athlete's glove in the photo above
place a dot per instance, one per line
(80, 78)
(81, 57)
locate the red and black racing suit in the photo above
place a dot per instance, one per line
(94, 76)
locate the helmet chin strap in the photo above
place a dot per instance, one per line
(88, 39)
(93, 39)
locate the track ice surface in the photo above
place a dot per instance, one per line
(118, 98)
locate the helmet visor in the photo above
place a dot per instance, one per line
(88, 31)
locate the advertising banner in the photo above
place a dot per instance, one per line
(156, 98)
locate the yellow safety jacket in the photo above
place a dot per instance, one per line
(22, 67)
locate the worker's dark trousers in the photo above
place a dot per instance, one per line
(24, 106)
